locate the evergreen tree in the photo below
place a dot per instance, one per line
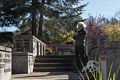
(70, 15)
(35, 12)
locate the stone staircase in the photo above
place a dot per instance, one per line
(54, 63)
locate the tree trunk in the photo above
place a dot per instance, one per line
(34, 25)
(40, 26)
(41, 19)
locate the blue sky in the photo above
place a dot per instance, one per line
(8, 29)
(106, 8)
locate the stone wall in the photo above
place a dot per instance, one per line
(5, 63)
(22, 62)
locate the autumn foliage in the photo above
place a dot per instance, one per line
(113, 31)
(101, 26)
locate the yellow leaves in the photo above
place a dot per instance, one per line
(49, 50)
(113, 32)
(71, 32)
(67, 37)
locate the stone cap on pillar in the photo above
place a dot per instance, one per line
(2, 48)
(22, 54)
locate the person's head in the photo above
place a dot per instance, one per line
(80, 25)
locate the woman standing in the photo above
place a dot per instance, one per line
(79, 45)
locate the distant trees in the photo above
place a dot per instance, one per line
(95, 26)
(37, 13)
(98, 26)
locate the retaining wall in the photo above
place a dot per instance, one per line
(5, 63)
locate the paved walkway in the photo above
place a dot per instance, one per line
(47, 76)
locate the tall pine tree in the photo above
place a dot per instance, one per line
(19, 12)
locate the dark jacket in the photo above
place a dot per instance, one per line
(79, 38)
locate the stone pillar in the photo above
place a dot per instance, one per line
(34, 46)
(5, 63)
(44, 52)
(22, 62)
(38, 48)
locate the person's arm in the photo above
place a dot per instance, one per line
(75, 36)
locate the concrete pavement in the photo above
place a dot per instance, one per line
(47, 76)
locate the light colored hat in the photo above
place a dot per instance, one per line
(81, 24)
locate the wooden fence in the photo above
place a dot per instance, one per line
(106, 51)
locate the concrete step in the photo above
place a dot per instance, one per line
(54, 60)
(54, 69)
(56, 56)
(53, 64)
(47, 76)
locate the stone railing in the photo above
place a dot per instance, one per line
(38, 47)
(5, 63)
(29, 43)
(63, 49)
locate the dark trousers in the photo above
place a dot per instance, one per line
(81, 58)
